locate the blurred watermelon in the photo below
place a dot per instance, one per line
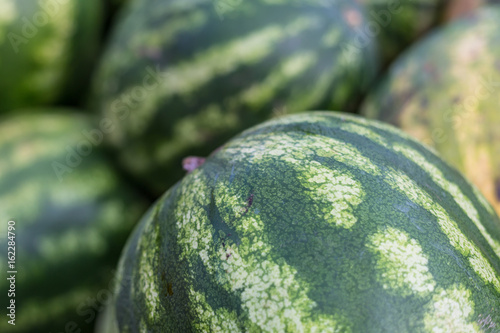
(72, 215)
(397, 24)
(47, 49)
(181, 77)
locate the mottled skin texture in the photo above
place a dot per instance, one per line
(221, 69)
(401, 22)
(46, 51)
(445, 92)
(68, 233)
(318, 222)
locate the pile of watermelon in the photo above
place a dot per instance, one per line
(309, 166)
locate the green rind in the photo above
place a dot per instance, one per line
(318, 222)
(47, 50)
(68, 230)
(397, 24)
(444, 92)
(179, 78)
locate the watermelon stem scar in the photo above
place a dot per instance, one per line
(190, 163)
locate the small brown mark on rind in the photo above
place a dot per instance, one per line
(249, 203)
(170, 291)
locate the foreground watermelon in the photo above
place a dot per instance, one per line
(72, 215)
(399, 23)
(444, 92)
(317, 222)
(46, 50)
(181, 77)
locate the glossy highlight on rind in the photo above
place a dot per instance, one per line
(316, 222)
(179, 78)
(444, 92)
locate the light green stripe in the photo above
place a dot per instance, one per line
(309, 96)
(209, 320)
(194, 228)
(8, 14)
(335, 193)
(365, 132)
(332, 37)
(402, 183)
(259, 146)
(480, 197)
(52, 52)
(189, 131)
(271, 294)
(401, 264)
(81, 186)
(173, 27)
(465, 204)
(147, 271)
(13, 203)
(30, 153)
(33, 314)
(398, 181)
(262, 93)
(219, 60)
(72, 243)
(450, 311)
(17, 128)
(437, 176)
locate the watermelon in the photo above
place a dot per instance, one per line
(444, 92)
(314, 222)
(181, 77)
(47, 49)
(71, 215)
(397, 24)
